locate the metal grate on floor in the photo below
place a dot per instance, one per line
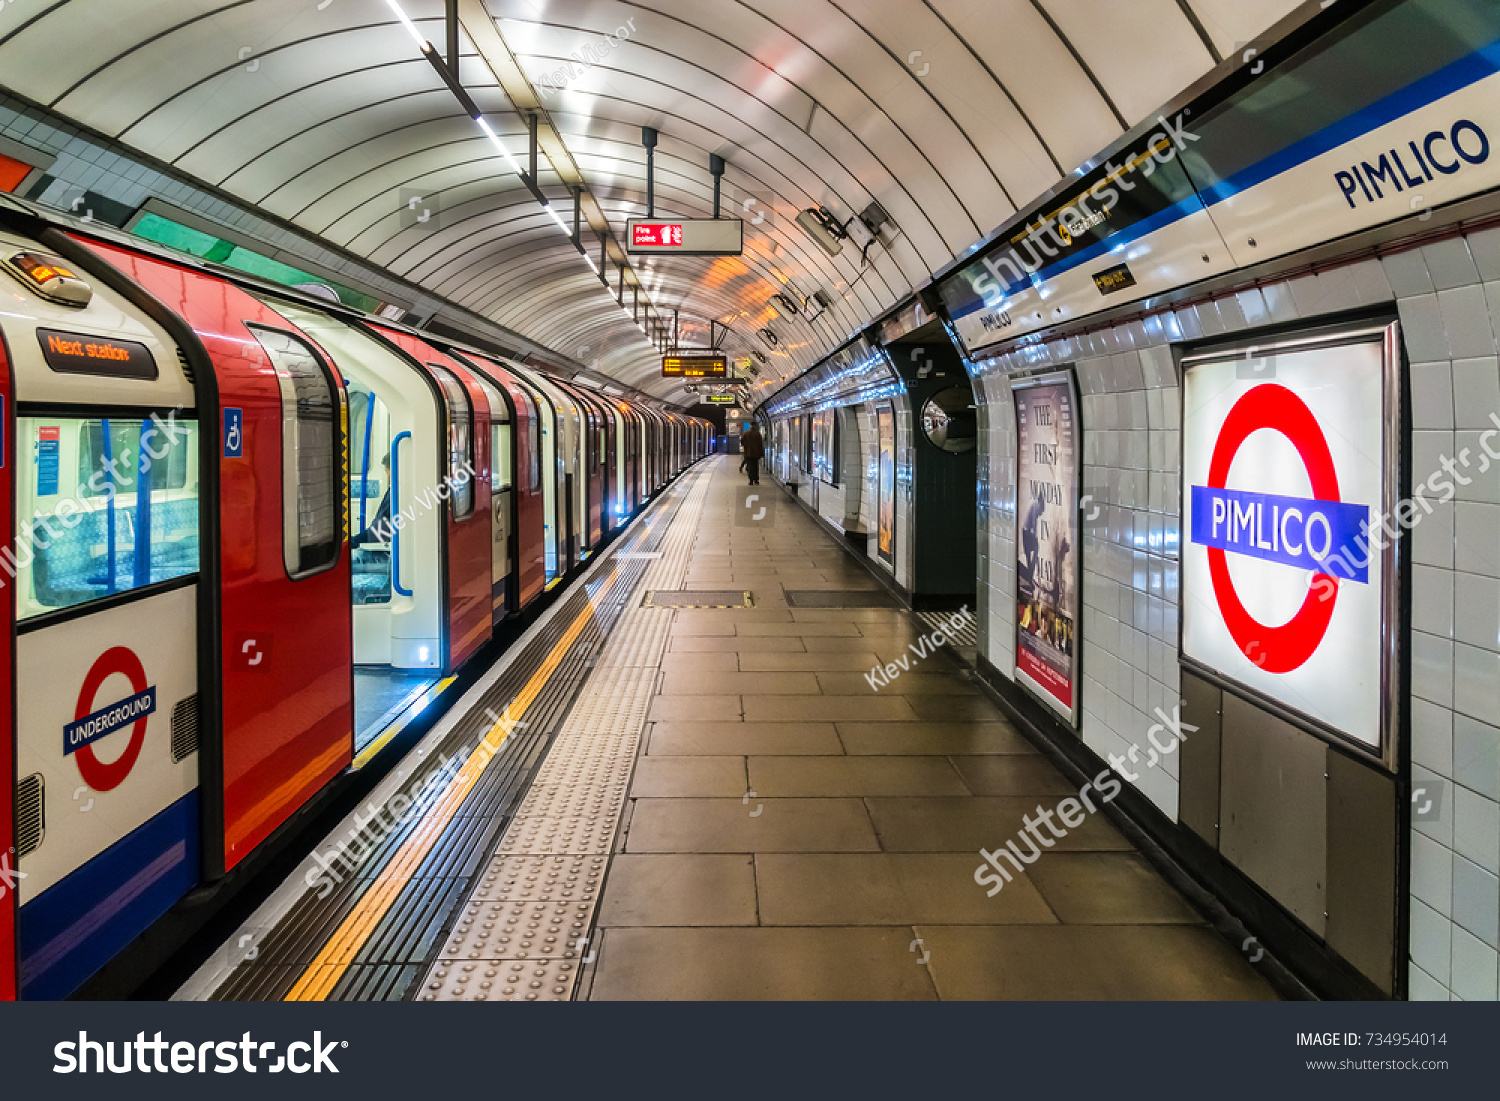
(698, 598)
(832, 598)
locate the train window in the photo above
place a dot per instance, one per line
(311, 463)
(500, 456)
(534, 443)
(460, 441)
(105, 505)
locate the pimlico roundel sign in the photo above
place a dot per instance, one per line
(1284, 476)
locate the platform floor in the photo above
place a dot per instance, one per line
(791, 832)
(715, 803)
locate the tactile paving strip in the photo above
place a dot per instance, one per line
(388, 960)
(501, 980)
(567, 878)
(526, 924)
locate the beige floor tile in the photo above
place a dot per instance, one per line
(726, 661)
(715, 739)
(756, 662)
(707, 644)
(679, 889)
(904, 684)
(686, 777)
(691, 708)
(1087, 963)
(709, 683)
(727, 825)
(869, 708)
(910, 824)
(798, 630)
(759, 964)
(956, 708)
(854, 776)
(1108, 889)
(932, 738)
(888, 889)
(1012, 775)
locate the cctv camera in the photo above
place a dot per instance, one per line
(821, 227)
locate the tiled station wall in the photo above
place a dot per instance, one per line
(1448, 297)
(863, 456)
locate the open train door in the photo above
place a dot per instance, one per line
(8, 857)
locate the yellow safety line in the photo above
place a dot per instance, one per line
(323, 974)
(415, 708)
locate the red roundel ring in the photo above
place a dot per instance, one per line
(1274, 649)
(102, 777)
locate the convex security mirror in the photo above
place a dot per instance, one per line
(949, 422)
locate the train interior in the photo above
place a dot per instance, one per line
(396, 545)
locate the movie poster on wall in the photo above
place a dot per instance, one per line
(1047, 540)
(885, 422)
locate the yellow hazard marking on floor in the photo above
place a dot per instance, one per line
(325, 971)
(415, 708)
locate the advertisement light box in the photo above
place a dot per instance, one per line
(1288, 578)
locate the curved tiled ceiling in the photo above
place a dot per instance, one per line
(949, 113)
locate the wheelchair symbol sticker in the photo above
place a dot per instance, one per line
(234, 433)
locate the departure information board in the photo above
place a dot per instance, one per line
(706, 365)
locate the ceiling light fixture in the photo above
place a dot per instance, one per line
(450, 78)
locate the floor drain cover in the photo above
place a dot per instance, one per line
(824, 598)
(698, 598)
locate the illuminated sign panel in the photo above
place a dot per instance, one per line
(83, 354)
(686, 236)
(1290, 527)
(722, 399)
(694, 366)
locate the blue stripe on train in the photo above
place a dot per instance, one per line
(79, 924)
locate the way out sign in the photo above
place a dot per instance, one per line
(1288, 468)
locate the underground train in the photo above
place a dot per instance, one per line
(238, 524)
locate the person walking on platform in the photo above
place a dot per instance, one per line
(754, 448)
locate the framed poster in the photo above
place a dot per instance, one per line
(1047, 539)
(885, 431)
(1290, 471)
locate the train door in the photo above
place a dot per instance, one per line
(395, 589)
(464, 426)
(274, 507)
(588, 476)
(518, 445)
(596, 455)
(564, 460)
(501, 479)
(9, 987)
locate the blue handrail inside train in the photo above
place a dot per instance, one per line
(395, 510)
(364, 468)
(109, 506)
(143, 508)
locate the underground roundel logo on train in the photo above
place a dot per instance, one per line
(94, 720)
(1305, 534)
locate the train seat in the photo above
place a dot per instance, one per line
(71, 564)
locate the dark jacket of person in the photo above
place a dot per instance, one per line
(753, 444)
